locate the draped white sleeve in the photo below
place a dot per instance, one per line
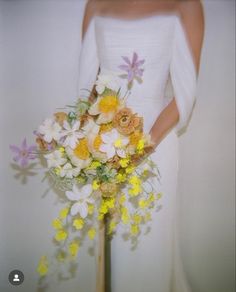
(183, 75)
(88, 62)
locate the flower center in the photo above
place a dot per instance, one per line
(24, 153)
(81, 150)
(108, 104)
(97, 142)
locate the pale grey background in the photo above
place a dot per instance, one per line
(39, 49)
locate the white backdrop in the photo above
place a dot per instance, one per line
(39, 49)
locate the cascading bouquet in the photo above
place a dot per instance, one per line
(92, 152)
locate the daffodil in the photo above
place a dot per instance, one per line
(82, 196)
(80, 155)
(106, 107)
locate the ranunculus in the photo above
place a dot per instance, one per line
(126, 122)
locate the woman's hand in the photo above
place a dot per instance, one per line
(137, 159)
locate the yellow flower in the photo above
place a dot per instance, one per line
(122, 199)
(57, 170)
(57, 224)
(61, 256)
(62, 149)
(147, 217)
(134, 180)
(135, 138)
(103, 209)
(74, 248)
(121, 177)
(135, 190)
(137, 218)
(129, 169)
(95, 184)
(111, 227)
(159, 196)
(151, 198)
(140, 145)
(61, 235)
(63, 213)
(124, 162)
(81, 150)
(108, 104)
(94, 165)
(125, 217)
(42, 268)
(90, 209)
(92, 233)
(134, 230)
(143, 204)
(78, 223)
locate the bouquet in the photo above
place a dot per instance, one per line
(93, 151)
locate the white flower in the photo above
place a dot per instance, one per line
(72, 134)
(113, 143)
(82, 198)
(76, 161)
(50, 130)
(69, 171)
(104, 81)
(55, 159)
(90, 129)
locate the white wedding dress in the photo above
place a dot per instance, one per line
(155, 265)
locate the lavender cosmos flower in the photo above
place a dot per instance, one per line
(132, 67)
(23, 153)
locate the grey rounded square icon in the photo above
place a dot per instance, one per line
(16, 277)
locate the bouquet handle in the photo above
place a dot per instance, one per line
(103, 283)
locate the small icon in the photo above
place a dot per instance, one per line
(16, 277)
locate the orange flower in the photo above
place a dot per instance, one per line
(126, 122)
(44, 145)
(108, 189)
(60, 117)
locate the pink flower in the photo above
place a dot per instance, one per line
(132, 67)
(23, 153)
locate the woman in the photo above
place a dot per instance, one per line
(169, 36)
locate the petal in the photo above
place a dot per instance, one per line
(139, 63)
(86, 191)
(130, 76)
(75, 209)
(126, 59)
(111, 152)
(106, 137)
(124, 67)
(105, 147)
(121, 153)
(83, 210)
(24, 145)
(14, 148)
(94, 110)
(24, 162)
(135, 58)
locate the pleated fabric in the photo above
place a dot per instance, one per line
(155, 265)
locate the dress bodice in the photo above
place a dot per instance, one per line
(161, 41)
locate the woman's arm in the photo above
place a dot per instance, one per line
(191, 13)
